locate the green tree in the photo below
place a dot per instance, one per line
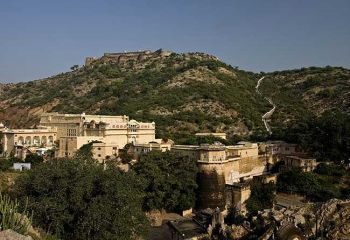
(171, 180)
(234, 217)
(125, 156)
(34, 159)
(331, 170)
(78, 199)
(327, 137)
(312, 185)
(262, 196)
(7, 163)
(85, 151)
(74, 67)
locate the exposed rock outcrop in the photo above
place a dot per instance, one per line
(12, 235)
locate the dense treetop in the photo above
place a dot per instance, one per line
(78, 199)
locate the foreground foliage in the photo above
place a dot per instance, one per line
(11, 217)
(78, 199)
(327, 137)
(312, 185)
(7, 163)
(171, 181)
(262, 196)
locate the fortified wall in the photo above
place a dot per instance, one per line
(220, 166)
(122, 57)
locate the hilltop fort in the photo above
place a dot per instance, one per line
(122, 57)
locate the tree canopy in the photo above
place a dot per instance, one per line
(327, 137)
(314, 186)
(262, 196)
(171, 180)
(34, 159)
(78, 199)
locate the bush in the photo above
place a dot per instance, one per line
(171, 181)
(330, 170)
(11, 217)
(262, 196)
(314, 186)
(7, 163)
(78, 199)
(233, 217)
(34, 159)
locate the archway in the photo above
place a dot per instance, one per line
(20, 140)
(43, 140)
(36, 140)
(28, 140)
(50, 140)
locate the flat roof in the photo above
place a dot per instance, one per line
(79, 115)
(187, 228)
(50, 130)
(235, 147)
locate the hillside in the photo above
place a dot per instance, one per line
(182, 93)
(308, 92)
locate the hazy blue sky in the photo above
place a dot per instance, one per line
(40, 38)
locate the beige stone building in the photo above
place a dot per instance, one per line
(75, 130)
(66, 133)
(274, 151)
(237, 194)
(220, 168)
(296, 162)
(103, 151)
(19, 142)
(236, 162)
(218, 135)
(158, 144)
(125, 57)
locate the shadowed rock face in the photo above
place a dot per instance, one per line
(290, 232)
(335, 219)
(211, 190)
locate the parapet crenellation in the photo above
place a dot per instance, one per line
(123, 57)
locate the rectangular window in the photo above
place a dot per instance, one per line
(71, 132)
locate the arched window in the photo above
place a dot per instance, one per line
(133, 139)
(28, 140)
(20, 140)
(50, 139)
(36, 140)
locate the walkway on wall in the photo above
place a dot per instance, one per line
(268, 114)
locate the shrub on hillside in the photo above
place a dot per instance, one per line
(312, 185)
(11, 217)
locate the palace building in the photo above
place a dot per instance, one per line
(69, 132)
(20, 142)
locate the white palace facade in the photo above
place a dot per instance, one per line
(66, 133)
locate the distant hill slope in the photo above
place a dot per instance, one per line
(182, 93)
(308, 91)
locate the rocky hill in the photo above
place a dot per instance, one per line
(308, 91)
(183, 93)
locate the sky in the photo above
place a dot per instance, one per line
(41, 38)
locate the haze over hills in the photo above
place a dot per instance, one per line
(182, 93)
